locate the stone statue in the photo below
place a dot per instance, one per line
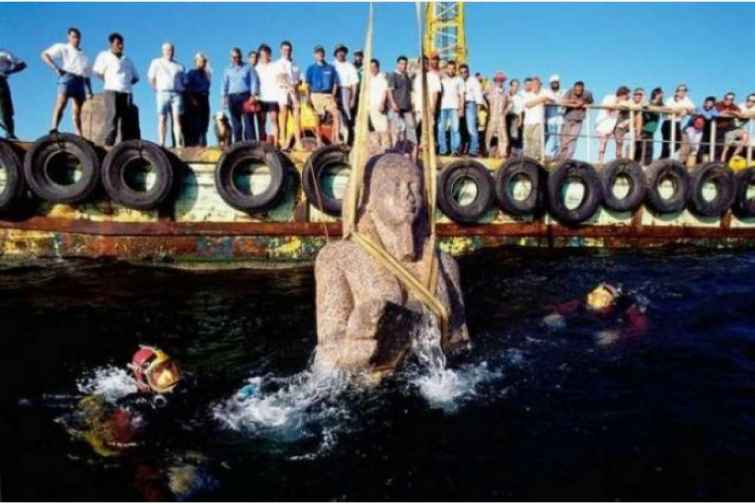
(365, 315)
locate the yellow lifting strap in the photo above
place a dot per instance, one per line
(423, 290)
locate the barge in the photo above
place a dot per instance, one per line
(254, 205)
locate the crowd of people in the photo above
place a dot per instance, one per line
(264, 98)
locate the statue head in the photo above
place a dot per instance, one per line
(394, 203)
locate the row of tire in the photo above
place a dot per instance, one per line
(546, 190)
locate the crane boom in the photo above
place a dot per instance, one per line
(444, 30)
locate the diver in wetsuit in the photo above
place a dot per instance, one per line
(142, 419)
(605, 304)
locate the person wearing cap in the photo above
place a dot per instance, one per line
(9, 64)
(119, 75)
(73, 69)
(348, 80)
(451, 110)
(554, 117)
(728, 128)
(240, 84)
(401, 115)
(322, 88)
(499, 105)
(535, 101)
(167, 78)
(473, 100)
(197, 101)
(289, 77)
(575, 101)
(681, 106)
(271, 94)
(608, 119)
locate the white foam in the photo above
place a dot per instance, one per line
(449, 388)
(110, 382)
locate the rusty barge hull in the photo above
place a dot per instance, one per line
(197, 226)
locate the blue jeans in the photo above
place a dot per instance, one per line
(470, 119)
(239, 117)
(449, 118)
(553, 135)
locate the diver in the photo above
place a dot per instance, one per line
(604, 305)
(138, 423)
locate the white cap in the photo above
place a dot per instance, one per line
(554, 78)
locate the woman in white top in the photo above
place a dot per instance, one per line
(73, 69)
(270, 93)
(682, 106)
(605, 124)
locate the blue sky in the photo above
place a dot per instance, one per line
(708, 46)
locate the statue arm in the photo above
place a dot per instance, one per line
(459, 334)
(334, 298)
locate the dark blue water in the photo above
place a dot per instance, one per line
(531, 412)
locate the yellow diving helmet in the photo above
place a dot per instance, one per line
(737, 163)
(602, 297)
(154, 370)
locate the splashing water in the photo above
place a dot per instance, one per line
(442, 387)
(110, 382)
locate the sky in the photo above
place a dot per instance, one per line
(707, 46)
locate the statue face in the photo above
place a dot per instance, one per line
(396, 190)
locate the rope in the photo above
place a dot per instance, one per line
(423, 290)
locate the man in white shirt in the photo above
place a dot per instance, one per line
(348, 79)
(451, 110)
(473, 100)
(289, 77)
(167, 79)
(682, 107)
(433, 91)
(9, 64)
(515, 119)
(747, 113)
(72, 67)
(119, 74)
(377, 105)
(271, 93)
(534, 118)
(554, 117)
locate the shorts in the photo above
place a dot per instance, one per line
(72, 86)
(379, 121)
(169, 102)
(620, 132)
(324, 102)
(289, 99)
(734, 136)
(267, 106)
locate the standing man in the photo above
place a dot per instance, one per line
(499, 106)
(554, 117)
(728, 128)
(514, 119)
(473, 99)
(650, 120)
(682, 106)
(534, 118)
(119, 75)
(378, 98)
(400, 99)
(271, 94)
(575, 101)
(167, 78)
(322, 87)
(9, 64)
(240, 82)
(289, 77)
(73, 69)
(358, 60)
(433, 92)
(451, 110)
(348, 82)
(197, 103)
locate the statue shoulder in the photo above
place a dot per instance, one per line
(339, 252)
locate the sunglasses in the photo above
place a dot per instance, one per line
(680, 90)
(729, 98)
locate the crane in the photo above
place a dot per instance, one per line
(444, 30)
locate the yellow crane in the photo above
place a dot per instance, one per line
(444, 30)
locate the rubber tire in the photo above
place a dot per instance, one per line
(315, 166)
(723, 177)
(250, 151)
(744, 207)
(465, 168)
(638, 185)
(590, 201)
(537, 176)
(654, 174)
(40, 154)
(14, 177)
(113, 174)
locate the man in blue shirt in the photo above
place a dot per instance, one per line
(240, 84)
(709, 113)
(322, 86)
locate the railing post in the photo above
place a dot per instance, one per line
(542, 140)
(672, 151)
(712, 154)
(749, 143)
(632, 134)
(588, 135)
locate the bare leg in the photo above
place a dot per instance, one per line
(77, 105)
(161, 124)
(282, 127)
(57, 111)
(274, 125)
(602, 149)
(177, 131)
(741, 145)
(296, 115)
